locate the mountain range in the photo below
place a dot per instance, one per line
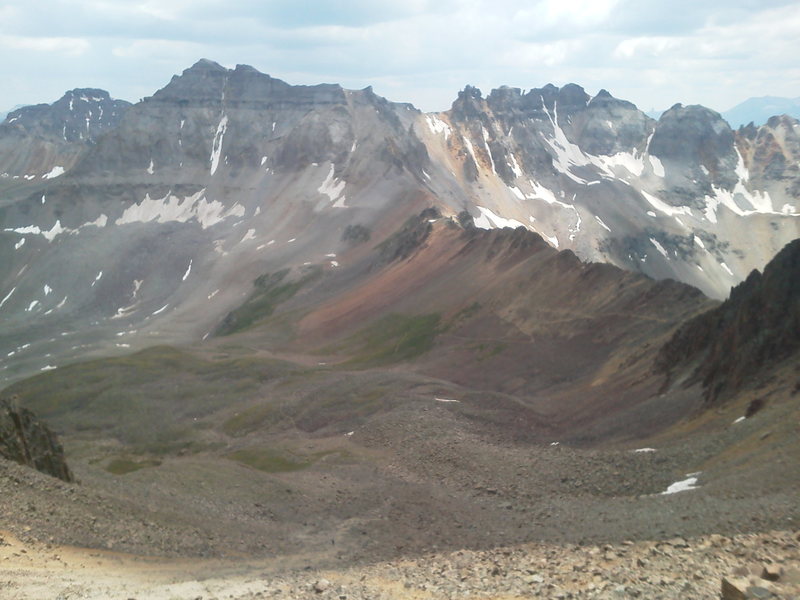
(759, 110)
(310, 315)
(118, 219)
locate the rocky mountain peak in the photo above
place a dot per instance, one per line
(604, 99)
(696, 135)
(79, 115)
(205, 65)
(572, 97)
(207, 84)
(469, 104)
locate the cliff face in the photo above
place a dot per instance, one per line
(757, 326)
(28, 441)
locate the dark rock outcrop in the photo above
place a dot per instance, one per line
(757, 326)
(412, 236)
(697, 138)
(28, 441)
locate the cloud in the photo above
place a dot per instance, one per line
(61, 45)
(650, 52)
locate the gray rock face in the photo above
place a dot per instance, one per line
(28, 441)
(698, 143)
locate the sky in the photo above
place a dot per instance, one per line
(652, 53)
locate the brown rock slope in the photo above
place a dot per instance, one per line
(502, 311)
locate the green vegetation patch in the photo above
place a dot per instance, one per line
(157, 400)
(123, 466)
(250, 419)
(271, 290)
(394, 338)
(269, 460)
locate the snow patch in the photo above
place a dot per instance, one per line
(657, 165)
(47, 289)
(150, 169)
(542, 193)
(486, 147)
(48, 368)
(682, 486)
(160, 310)
(55, 231)
(216, 147)
(760, 202)
(53, 173)
(19, 244)
(739, 420)
(250, 235)
(603, 225)
(436, 125)
(333, 188)
(550, 238)
(4, 300)
(514, 165)
(446, 400)
(516, 191)
(172, 208)
(645, 450)
(741, 170)
(471, 151)
(665, 208)
(489, 220)
(188, 270)
(659, 247)
(727, 269)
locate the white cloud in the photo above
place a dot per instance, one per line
(71, 46)
(645, 47)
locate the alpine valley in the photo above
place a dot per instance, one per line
(311, 325)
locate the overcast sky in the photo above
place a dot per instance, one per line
(653, 53)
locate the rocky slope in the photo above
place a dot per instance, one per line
(28, 441)
(741, 566)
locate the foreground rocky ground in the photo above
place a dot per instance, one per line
(765, 565)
